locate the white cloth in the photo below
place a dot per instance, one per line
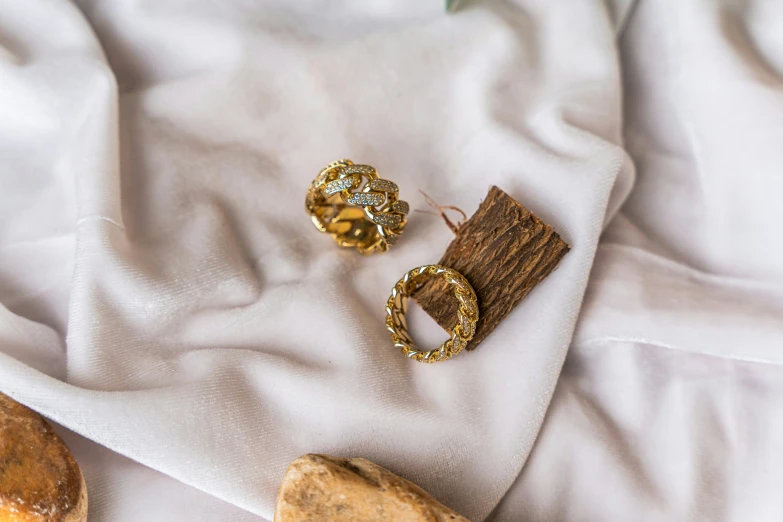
(165, 296)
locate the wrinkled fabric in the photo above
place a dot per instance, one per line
(167, 302)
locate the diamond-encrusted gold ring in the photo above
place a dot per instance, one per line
(356, 207)
(467, 313)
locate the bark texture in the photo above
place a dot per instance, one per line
(504, 251)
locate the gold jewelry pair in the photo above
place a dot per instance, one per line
(361, 210)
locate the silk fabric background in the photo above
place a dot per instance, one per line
(167, 302)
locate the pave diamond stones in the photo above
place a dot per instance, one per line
(338, 185)
(321, 179)
(401, 207)
(357, 169)
(366, 199)
(383, 185)
(344, 200)
(387, 220)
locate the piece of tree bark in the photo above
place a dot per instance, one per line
(39, 479)
(331, 489)
(504, 251)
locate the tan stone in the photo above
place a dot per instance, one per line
(320, 488)
(39, 478)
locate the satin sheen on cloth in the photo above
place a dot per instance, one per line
(166, 300)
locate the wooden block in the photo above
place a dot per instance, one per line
(39, 478)
(504, 251)
(332, 489)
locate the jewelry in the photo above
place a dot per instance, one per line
(467, 313)
(370, 218)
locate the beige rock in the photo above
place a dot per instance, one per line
(39, 478)
(320, 488)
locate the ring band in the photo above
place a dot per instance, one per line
(369, 218)
(467, 313)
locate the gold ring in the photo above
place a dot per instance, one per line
(356, 207)
(467, 313)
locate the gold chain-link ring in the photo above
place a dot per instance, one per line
(467, 314)
(356, 207)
